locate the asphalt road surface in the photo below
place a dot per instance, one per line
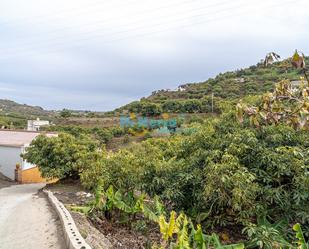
(27, 220)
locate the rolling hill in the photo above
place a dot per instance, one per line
(16, 115)
(9, 106)
(197, 97)
(187, 98)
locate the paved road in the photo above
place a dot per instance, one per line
(27, 220)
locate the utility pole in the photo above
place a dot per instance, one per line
(212, 102)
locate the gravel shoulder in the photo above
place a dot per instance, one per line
(27, 220)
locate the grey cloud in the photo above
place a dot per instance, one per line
(101, 76)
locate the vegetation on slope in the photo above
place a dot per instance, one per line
(243, 175)
(197, 97)
(225, 176)
(14, 115)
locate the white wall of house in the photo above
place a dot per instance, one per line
(25, 164)
(9, 157)
(35, 125)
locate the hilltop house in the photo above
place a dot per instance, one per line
(12, 145)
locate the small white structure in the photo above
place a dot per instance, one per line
(181, 89)
(240, 80)
(12, 145)
(296, 83)
(35, 125)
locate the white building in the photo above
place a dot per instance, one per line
(35, 125)
(12, 145)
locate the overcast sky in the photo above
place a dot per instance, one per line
(99, 54)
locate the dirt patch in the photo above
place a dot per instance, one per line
(70, 192)
(100, 232)
(90, 122)
(127, 236)
(118, 143)
(91, 235)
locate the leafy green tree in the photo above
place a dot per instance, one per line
(65, 113)
(223, 172)
(103, 135)
(172, 106)
(192, 106)
(59, 157)
(135, 107)
(151, 109)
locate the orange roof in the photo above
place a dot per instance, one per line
(19, 138)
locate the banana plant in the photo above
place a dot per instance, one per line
(270, 58)
(99, 201)
(168, 228)
(298, 61)
(159, 207)
(182, 235)
(217, 244)
(187, 236)
(301, 243)
(154, 210)
(198, 237)
(149, 214)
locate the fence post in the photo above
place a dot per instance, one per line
(18, 173)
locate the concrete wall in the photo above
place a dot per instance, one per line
(9, 157)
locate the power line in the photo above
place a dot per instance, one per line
(125, 25)
(53, 13)
(197, 23)
(83, 10)
(143, 26)
(159, 31)
(183, 26)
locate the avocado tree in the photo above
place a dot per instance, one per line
(59, 157)
(65, 113)
(287, 104)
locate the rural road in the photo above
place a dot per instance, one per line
(27, 220)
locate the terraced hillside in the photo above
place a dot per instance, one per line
(197, 97)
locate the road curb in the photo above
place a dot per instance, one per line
(73, 238)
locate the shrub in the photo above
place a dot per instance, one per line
(228, 173)
(126, 139)
(102, 135)
(59, 157)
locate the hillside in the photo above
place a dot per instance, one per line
(9, 106)
(187, 98)
(12, 113)
(196, 97)
(233, 181)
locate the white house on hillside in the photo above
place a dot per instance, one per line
(12, 145)
(35, 125)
